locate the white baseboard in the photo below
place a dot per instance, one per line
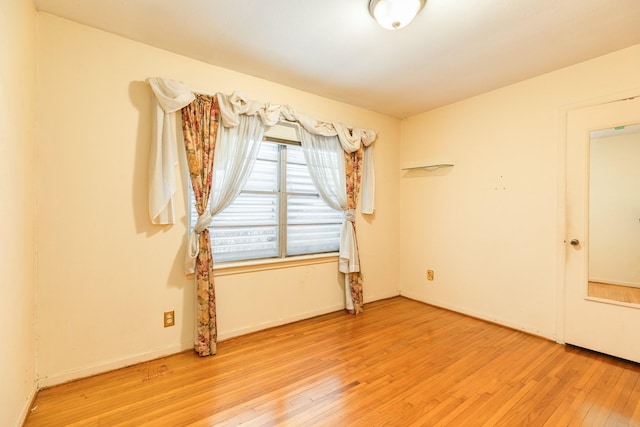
(382, 296)
(278, 322)
(26, 408)
(551, 335)
(290, 319)
(75, 374)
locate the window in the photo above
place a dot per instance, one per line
(278, 214)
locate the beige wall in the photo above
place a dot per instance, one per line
(491, 226)
(17, 228)
(106, 274)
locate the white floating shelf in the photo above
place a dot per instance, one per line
(438, 166)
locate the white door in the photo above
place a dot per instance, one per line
(599, 323)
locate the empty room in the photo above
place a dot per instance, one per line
(320, 213)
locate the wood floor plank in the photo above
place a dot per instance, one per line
(400, 363)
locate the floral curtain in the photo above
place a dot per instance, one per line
(200, 128)
(353, 167)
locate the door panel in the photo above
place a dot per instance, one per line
(601, 324)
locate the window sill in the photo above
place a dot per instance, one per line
(239, 267)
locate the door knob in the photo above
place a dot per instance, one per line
(574, 242)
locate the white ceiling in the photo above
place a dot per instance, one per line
(454, 49)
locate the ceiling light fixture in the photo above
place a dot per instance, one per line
(395, 14)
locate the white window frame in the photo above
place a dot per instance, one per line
(283, 139)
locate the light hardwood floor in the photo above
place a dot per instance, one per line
(615, 292)
(400, 363)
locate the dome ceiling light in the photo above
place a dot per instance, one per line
(395, 14)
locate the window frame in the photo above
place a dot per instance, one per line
(281, 259)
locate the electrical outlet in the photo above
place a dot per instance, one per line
(429, 274)
(169, 318)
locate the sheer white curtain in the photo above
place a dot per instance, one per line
(234, 159)
(325, 159)
(235, 154)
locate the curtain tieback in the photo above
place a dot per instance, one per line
(203, 222)
(350, 215)
(193, 249)
(348, 259)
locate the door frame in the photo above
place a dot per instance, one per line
(562, 156)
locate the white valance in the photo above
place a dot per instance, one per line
(171, 96)
(232, 106)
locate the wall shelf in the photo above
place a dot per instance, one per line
(428, 167)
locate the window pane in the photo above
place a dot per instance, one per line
(312, 239)
(311, 210)
(298, 178)
(269, 151)
(249, 227)
(313, 227)
(233, 244)
(249, 209)
(295, 154)
(264, 176)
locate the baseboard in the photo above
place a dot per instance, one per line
(278, 322)
(76, 374)
(295, 318)
(381, 296)
(28, 403)
(482, 316)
